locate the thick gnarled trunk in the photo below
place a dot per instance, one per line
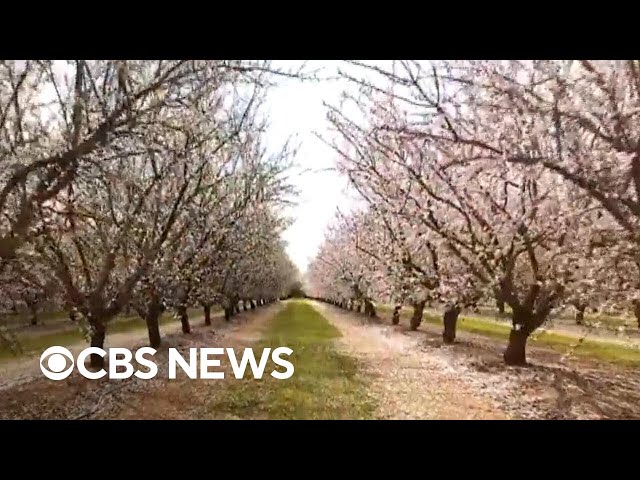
(499, 302)
(526, 317)
(184, 319)
(515, 354)
(416, 318)
(395, 319)
(636, 311)
(33, 311)
(580, 308)
(369, 309)
(98, 334)
(450, 320)
(207, 314)
(153, 327)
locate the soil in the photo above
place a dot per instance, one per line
(406, 383)
(470, 375)
(27, 394)
(411, 375)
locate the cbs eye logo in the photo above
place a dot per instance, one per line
(57, 362)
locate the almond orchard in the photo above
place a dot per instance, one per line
(466, 244)
(139, 185)
(503, 182)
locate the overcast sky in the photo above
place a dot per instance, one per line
(296, 109)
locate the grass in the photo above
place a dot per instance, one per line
(35, 344)
(600, 320)
(44, 318)
(324, 385)
(599, 349)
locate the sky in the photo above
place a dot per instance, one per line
(296, 109)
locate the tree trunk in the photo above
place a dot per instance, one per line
(207, 314)
(236, 308)
(395, 320)
(253, 305)
(153, 327)
(416, 318)
(227, 314)
(580, 308)
(500, 303)
(184, 319)
(34, 315)
(359, 307)
(244, 305)
(636, 311)
(450, 319)
(515, 354)
(97, 340)
(371, 310)
(367, 308)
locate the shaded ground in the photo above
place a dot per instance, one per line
(553, 387)
(619, 350)
(26, 393)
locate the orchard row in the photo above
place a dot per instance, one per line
(510, 182)
(139, 184)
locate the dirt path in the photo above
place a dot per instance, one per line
(406, 383)
(551, 387)
(28, 394)
(188, 399)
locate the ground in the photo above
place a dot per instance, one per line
(346, 366)
(26, 393)
(406, 383)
